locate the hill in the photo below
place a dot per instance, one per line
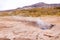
(42, 5)
(34, 10)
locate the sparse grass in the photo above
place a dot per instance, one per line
(34, 12)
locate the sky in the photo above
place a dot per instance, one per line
(12, 4)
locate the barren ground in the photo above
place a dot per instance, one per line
(11, 27)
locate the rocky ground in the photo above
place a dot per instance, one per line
(13, 28)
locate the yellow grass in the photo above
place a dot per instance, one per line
(34, 12)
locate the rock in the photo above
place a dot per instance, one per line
(4, 39)
(23, 39)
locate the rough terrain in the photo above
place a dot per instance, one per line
(11, 28)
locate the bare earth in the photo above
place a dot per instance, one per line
(13, 28)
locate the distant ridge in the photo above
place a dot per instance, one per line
(42, 4)
(36, 5)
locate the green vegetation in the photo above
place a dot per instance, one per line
(35, 12)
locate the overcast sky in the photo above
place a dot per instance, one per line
(12, 4)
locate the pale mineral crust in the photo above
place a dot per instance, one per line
(12, 28)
